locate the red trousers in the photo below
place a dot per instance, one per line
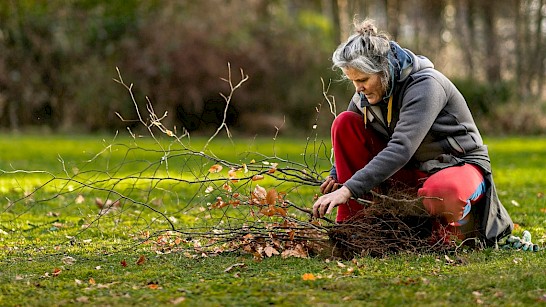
(449, 193)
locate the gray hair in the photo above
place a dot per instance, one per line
(366, 50)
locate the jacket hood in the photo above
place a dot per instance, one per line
(403, 62)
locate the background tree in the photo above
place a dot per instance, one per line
(57, 58)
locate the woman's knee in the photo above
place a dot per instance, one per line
(449, 192)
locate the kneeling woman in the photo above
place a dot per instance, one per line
(407, 122)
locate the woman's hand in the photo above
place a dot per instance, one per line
(326, 203)
(329, 185)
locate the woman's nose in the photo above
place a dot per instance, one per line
(359, 86)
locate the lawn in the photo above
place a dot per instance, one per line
(58, 247)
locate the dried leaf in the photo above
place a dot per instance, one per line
(297, 252)
(271, 197)
(226, 187)
(68, 260)
(123, 263)
(309, 276)
(56, 272)
(153, 286)
(268, 211)
(220, 203)
(141, 260)
(179, 300)
(232, 173)
(92, 281)
(257, 177)
(234, 266)
(291, 234)
(80, 199)
(270, 251)
(216, 168)
(259, 195)
(280, 211)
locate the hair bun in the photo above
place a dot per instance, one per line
(366, 28)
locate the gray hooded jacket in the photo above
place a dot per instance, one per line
(432, 128)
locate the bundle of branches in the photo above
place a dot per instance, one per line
(386, 225)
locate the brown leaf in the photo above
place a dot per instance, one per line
(92, 281)
(259, 194)
(56, 272)
(257, 177)
(226, 187)
(291, 234)
(270, 251)
(216, 168)
(297, 252)
(123, 263)
(232, 174)
(268, 211)
(141, 260)
(99, 203)
(281, 211)
(153, 286)
(271, 197)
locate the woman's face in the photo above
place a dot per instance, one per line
(369, 84)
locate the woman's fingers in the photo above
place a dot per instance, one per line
(329, 185)
(326, 203)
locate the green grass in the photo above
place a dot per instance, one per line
(38, 234)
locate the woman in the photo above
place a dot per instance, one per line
(407, 122)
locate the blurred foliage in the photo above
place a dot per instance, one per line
(482, 97)
(58, 58)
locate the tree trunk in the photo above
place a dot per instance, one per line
(331, 8)
(492, 55)
(539, 53)
(465, 25)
